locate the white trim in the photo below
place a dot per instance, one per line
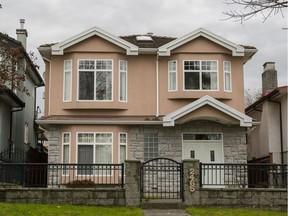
(69, 151)
(97, 122)
(169, 120)
(119, 144)
(176, 71)
(166, 49)
(58, 49)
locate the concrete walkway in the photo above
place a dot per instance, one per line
(165, 212)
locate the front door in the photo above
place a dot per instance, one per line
(207, 148)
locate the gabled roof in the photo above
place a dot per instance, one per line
(237, 50)
(155, 42)
(169, 120)
(58, 48)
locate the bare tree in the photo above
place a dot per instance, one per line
(12, 68)
(252, 96)
(250, 8)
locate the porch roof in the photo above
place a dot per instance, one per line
(169, 120)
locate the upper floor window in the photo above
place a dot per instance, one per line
(172, 75)
(67, 80)
(227, 76)
(122, 80)
(200, 75)
(95, 80)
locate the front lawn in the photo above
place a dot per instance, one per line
(7, 209)
(203, 211)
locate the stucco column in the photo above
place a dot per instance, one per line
(191, 178)
(132, 182)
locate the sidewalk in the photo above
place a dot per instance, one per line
(165, 212)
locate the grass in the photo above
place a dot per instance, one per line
(7, 209)
(233, 212)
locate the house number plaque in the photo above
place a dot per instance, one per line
(192, 180)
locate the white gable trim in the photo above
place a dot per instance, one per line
(58, 49)
(237, 50)
(169, 120)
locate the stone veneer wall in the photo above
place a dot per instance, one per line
(170, 140)
(54, 144)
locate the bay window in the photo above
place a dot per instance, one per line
(95, 80)
(200, 75)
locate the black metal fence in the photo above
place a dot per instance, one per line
(61, 175)
(243, 175)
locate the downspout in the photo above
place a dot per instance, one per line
(157, 85)
(281, 130)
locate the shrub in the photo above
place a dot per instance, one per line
(86, 183)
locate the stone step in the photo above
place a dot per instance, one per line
(162, 204)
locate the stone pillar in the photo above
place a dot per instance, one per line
(53, 155)
(132, 182)
(191, 178)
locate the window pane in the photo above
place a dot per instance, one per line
(123, 86)
(103, 154)
(104, 64)
(67, 85)
(85, 138)
(103, 85)
(86, 85)
(227, 82)
(192, 65)
(123, 138)
(67, 65)
(66, 154)
(192, 80)
(209, 80)
(202, 136)
(103, 138)
(85, 156)
(122, 153)
(87, 64)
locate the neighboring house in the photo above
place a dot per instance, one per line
(17, 114)
(109, 98)
(268, 140)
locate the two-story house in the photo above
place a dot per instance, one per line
(109, 98)
(18, 130)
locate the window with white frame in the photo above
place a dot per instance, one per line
(122, 80)
(200, 75)
(172, 75)
(67, 80)
(227, 76)
(66, 141)
(94, 148)
(122, 147)
(95, 80)
(151, 146)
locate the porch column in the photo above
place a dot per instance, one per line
(132, 182)
(191, 178)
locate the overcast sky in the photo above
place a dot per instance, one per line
(56, 20)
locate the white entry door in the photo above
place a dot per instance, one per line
(206, 151)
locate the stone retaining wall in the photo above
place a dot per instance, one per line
(99, 197)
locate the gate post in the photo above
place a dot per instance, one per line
(191, 182)
(132, 182)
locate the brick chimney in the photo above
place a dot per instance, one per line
(22, 33)
(269, 78)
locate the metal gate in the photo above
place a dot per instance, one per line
(162, 178)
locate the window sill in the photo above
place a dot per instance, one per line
(199, 94)
(94, 105)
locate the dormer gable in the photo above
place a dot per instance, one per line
(236, 50)
(58, 48)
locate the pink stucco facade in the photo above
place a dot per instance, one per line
(149, 102)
